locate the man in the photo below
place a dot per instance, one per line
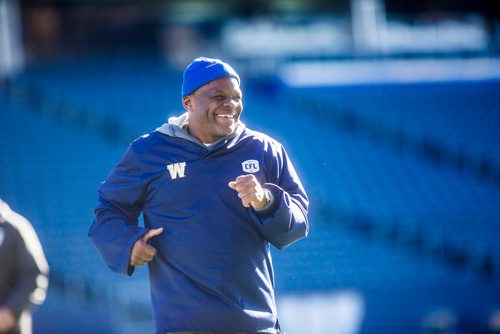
(214, 194)
(23, 272)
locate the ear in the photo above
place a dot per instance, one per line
(186, 102)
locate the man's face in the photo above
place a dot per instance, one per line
(214, 109)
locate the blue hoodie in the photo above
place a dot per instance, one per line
(213, 270)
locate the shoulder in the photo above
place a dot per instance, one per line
(16, 224)
(25, 231)
(146, 140)
(268, 142)
(149, 141)
(269, 145)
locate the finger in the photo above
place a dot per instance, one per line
(239, 181)
(248, 200)
(250, 182)
(142, 255)
(244, 193)
(244, 178)
(151, 233)
(252, 190)
(137, 262)
(246, 204)
(242, 183)
(243, 187)
(147, 249)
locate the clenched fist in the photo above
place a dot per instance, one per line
(250, 191)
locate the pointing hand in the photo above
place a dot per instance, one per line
(143, 253)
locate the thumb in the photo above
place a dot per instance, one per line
(232, 185)
(151, 233)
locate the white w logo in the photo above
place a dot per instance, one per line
(177, 170)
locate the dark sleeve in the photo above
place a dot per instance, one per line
(115, 228)
(285, 221)
(31, 279)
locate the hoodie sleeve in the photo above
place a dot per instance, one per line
(120, 198)
(285, 221)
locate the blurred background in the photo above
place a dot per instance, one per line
(389, 109)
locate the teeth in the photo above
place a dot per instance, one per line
(226, 116)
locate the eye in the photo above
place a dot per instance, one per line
(219, 98)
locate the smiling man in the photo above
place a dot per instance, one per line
(214, 195)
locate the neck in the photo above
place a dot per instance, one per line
(207, 140)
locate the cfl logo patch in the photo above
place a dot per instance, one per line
(250, 166)
(177, 170)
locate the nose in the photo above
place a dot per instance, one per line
(230, 102)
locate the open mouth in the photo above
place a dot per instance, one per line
(225, 116)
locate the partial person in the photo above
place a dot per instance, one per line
(214, 196)
(24, 272)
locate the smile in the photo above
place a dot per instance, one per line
(226, 116)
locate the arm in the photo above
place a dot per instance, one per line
(115, 229)
(31, 268)
(283, 221)
(21, 295)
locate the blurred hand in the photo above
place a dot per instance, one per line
(7, 320)
(143, 253)
(249, 191)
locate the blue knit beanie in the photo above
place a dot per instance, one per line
(203, 70)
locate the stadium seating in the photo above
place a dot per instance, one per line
(404, 231)
(49, 172)
(461, 116)
(392, 186)
(133, 91)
